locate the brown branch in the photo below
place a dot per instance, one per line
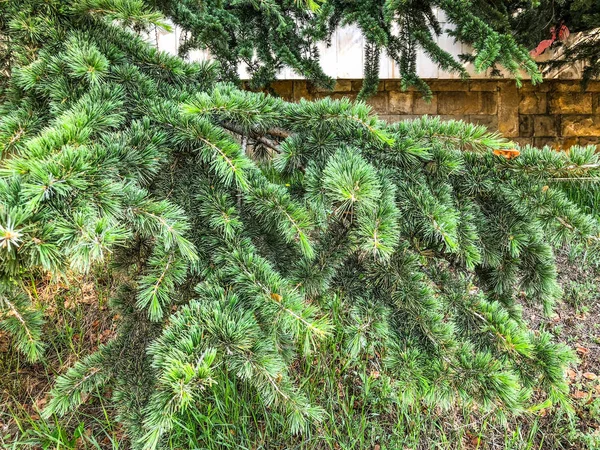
(278, 132)
(254, 135)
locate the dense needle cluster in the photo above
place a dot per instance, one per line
(236, 220)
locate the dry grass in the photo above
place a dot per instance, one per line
(79, 320)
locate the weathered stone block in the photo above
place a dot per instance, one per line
(421, 106)
(545, 125)
(570, 103)
(393, 118)
(392, 85)
(400, 102)
(569, 142)
(341, 95)
(283, 88)
(340, 86)
(527, 86)
(533, 103)
(565, 85)
(508, 110)
(559, 144)
(410, 117)
(541, 142)
(525, 125)
(301, 90)
(453, 117)
(593, 86)
(357, 85)
(596, 103)
(490, 121)
(483, 85)
(379, 102)
(488, 103)
(320, 95)
(523, 141)
(590, 140)
(580, 125)
(459, 102)
(448, 85)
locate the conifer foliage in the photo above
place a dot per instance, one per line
(269, 36)
(235, 219)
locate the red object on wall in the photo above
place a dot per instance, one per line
(563, 33)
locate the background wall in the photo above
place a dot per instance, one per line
(556, 112)
(343, 58)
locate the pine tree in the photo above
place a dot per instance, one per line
(268, 36)
(236, 220)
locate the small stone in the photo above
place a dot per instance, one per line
(357, 85)
(340, 86)
(527, 86)
(391, 118)
(579, 394)
(582, 350)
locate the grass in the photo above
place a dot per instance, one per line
(359, 413)
(97, 433)
(78, 321)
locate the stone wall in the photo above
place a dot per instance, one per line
(556, 112)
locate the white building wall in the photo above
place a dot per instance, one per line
(343, 58)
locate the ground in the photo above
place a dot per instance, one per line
(80, 320)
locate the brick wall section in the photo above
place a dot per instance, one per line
(556, 112)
